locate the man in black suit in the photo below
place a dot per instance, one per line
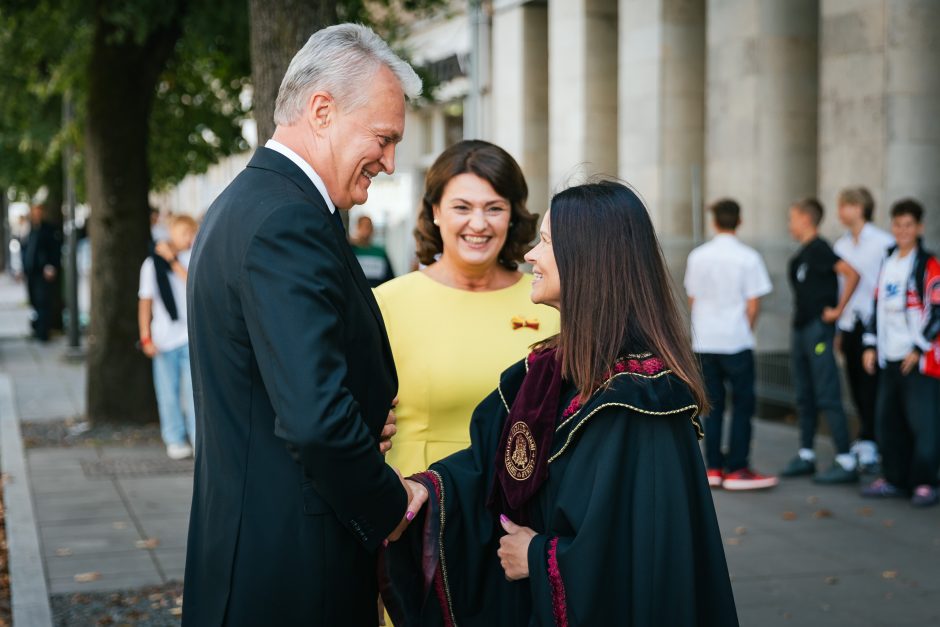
(292, 371)
(42, 261)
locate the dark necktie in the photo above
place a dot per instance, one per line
(338, 219)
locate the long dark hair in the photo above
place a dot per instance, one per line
(616, 293)
(493, 164)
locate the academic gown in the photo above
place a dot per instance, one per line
(627, 532)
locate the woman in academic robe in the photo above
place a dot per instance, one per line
(582, 499)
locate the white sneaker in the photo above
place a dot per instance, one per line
(178, 451)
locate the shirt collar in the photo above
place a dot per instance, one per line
(301, 163)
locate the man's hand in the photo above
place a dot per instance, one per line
(869, 358)
(417, 497)
(831, 314)
(514, 549)
(910, 362)
(389, 430)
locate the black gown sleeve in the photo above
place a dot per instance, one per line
(445, 567)
(633, 538)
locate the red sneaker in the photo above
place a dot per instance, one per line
(715, 477)
(747, 479)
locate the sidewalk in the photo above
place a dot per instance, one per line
(115, 516)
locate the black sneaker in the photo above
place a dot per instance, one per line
(799, 467)
(836, 475)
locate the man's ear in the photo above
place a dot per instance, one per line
(321, 110)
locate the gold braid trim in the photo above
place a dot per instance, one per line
(499, 388)
(440, 541)
(694, 408)
(605, 384)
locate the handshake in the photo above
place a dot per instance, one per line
(417, 493)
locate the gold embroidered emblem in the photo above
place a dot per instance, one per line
(520, 452)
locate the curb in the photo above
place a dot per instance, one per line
(28, 588)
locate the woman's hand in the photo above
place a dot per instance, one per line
(514, 549)
(389, 430)
(417, 497)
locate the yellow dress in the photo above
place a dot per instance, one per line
(450, 347)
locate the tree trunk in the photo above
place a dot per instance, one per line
(122, 80)
(279, 28)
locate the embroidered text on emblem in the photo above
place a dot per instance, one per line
(520, 452)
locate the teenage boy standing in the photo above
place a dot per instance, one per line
(725, 281)
(814, 272)
(904, 338)
(864, 246)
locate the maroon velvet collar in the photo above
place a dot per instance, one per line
(525, 445)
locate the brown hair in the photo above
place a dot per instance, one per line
(810, 207)
(727, 214)
(493, 164)
(908, 207)
(858, 196)
(616, 294)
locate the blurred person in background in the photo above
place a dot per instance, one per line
(161, 317)
(863, 246)
(372, 258)
(42, 261)
(903, 338)
(814, 276)
(725, 280)
(455, 325)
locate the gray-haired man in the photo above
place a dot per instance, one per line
(292, 371)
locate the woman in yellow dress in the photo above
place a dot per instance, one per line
(455, 325)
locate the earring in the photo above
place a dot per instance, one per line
(437, 222)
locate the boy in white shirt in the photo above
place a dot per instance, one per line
(725, 280)
(164, 337)
(863, 246)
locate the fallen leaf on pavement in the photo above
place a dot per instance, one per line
(812, 500)
(789, 516)
(86, 577)
(890, 574)
(822, 513)
(888, 523)
(733, 541)
(864, 511)
(63, 552)
(740, 530)
(149, 543)
(119, 525)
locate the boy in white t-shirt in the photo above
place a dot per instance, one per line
(725, 281)
(161, 316)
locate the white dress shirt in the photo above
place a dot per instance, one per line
(865, 256)
(277, 146)
(721, 276)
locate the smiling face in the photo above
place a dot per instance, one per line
(473, 220)
(361, 142)
(546, 286)
(906, 230)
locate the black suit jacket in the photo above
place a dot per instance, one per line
(42, 247)
(293, 379)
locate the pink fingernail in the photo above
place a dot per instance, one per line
(503, 518)
(410, 516)
(384, 542)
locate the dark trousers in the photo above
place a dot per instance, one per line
(40, 298)
(737, 371)
(908, 427)
(863, 386)
(816, 376)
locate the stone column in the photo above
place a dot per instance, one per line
(662, 107)
(582, 39)
(761, 109)
(879, 109)
(520, 90)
